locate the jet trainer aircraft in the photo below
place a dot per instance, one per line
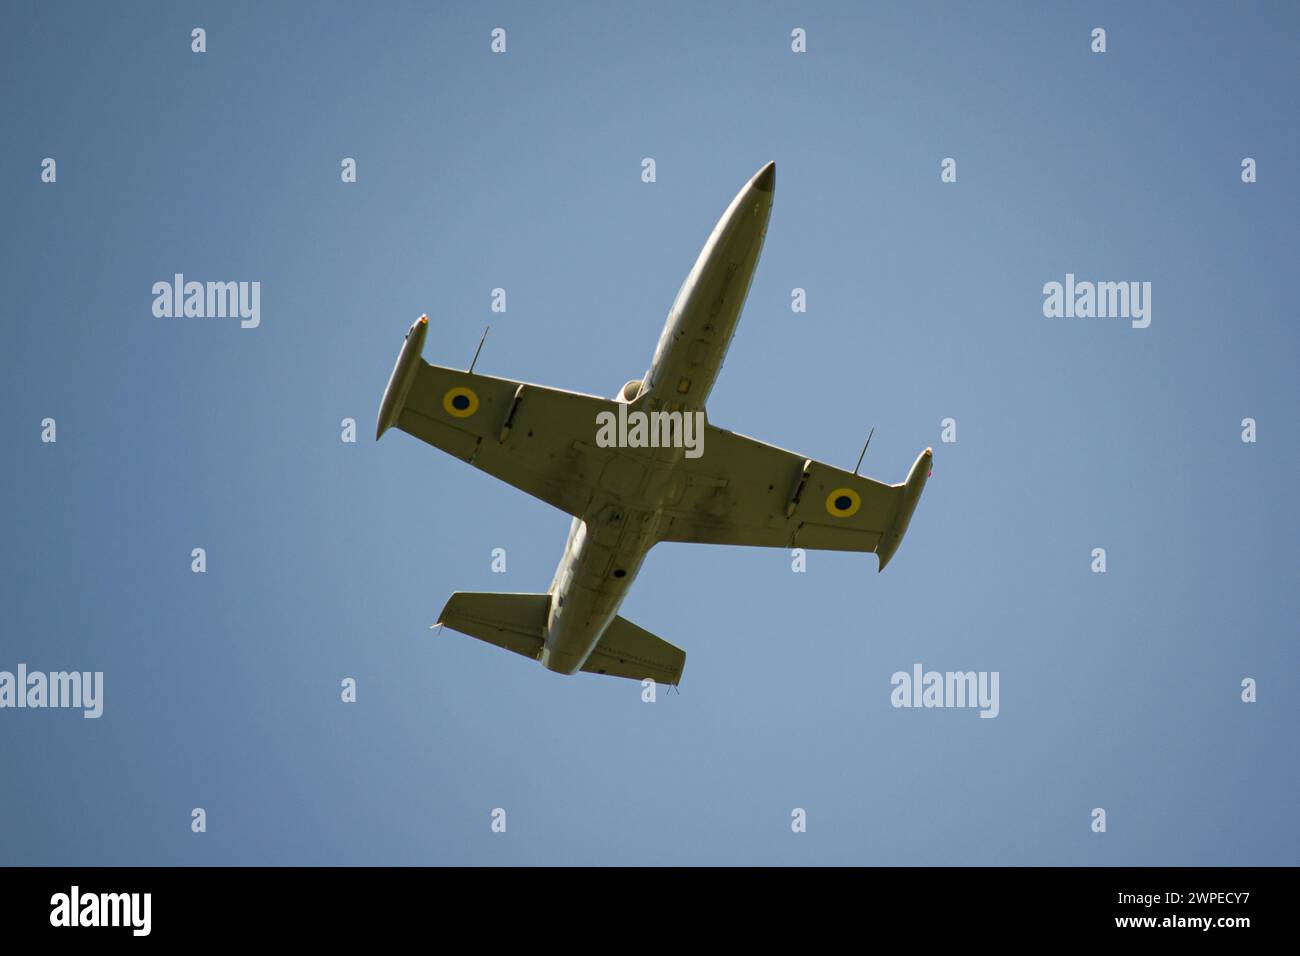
(626, 499)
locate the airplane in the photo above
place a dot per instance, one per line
(624, 500)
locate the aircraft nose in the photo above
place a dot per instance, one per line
(765, 178)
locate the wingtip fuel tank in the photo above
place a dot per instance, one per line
(911, 488)
(399, 383)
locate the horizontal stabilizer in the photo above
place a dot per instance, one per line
(626, 650)
(516, 622)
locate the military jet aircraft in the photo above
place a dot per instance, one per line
(625, 498)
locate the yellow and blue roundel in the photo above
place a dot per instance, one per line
(843, 503)
(460, 402)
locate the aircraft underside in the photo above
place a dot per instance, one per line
(642, 467)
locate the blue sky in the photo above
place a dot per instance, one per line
(475, 171)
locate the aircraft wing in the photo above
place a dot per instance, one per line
(745, 492)
(541, 440)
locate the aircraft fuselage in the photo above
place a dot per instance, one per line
(609, 541)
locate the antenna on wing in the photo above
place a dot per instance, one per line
(480, 348)
(864, 451)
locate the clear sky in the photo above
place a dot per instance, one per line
(522, 170)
